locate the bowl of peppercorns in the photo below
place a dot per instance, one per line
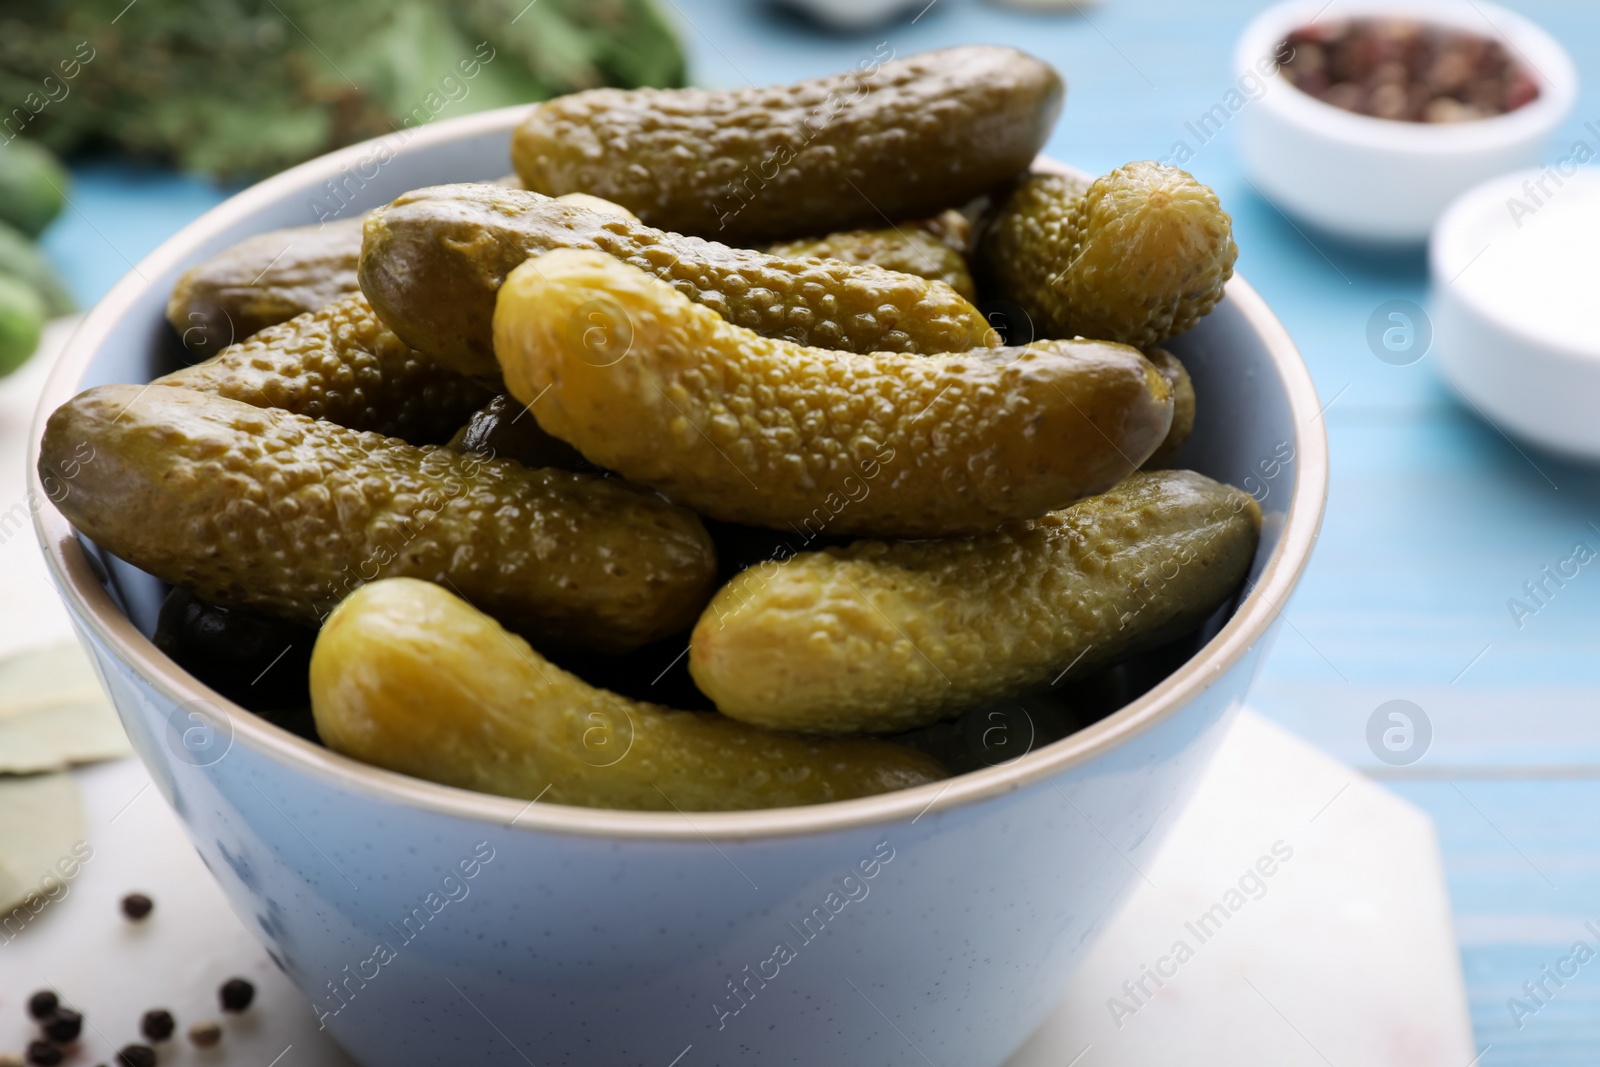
(1367, 118)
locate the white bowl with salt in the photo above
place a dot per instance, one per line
(1516, 304)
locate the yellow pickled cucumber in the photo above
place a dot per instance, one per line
(881, 637)
(1138, 256)
(767, 432)
(263, 509)
(408, 677)
(909, 249)
(341, 364)
(433, 260)
(594, 203)
(896, 138)
(262, 281)
(1172, 369)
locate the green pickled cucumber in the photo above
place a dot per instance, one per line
(504, 427)
(269, 511)
(434, 259)
(341, 364)
(409, 677)
(909, 249)
(1138, 256)
(262, 281)
(881, 637)
(766, 432)
(896, 138)
(1172, 369)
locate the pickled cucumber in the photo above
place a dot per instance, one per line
(1139, 256)
(896, 138)
(909, 249)
(1178, 380)
(262, 281)
(408, 677)
(878, 637)
(503, 427)
(767, 432)
(594, 203)
(434, 259)
(954, 226)
(341, 364)
(278, 513)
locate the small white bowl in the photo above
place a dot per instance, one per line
(1377, 179)
(1519, 351)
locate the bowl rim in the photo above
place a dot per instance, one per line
(73, 573)
(1555, 71)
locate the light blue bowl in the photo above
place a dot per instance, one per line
(434, 925)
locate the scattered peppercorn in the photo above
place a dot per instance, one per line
(136, 906)
(1402, 69)
(43, 1053)
(137, 1056)
(64, 1026)
(43, 1004)
(205, 1034)
(157, 1024)
(236, 994)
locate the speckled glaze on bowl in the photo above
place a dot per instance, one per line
(430, 925)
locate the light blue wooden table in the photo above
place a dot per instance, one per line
(1435, 519)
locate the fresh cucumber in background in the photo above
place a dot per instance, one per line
(33, 186)
(22, 260)
(22, 318)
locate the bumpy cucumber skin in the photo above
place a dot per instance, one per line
(341, 364)
(893, 139)
(766, 432)
(262, 509)
(593, 203)
(1183, 403)
(1138, 256)
(909, 249)
(880, 637)
(408, 677)
(262, 281)
(505, 428)
(434, 259)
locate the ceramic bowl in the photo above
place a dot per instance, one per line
(1375, 179)
(1532, 371)
(433, 925)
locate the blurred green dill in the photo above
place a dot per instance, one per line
(242, 88)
